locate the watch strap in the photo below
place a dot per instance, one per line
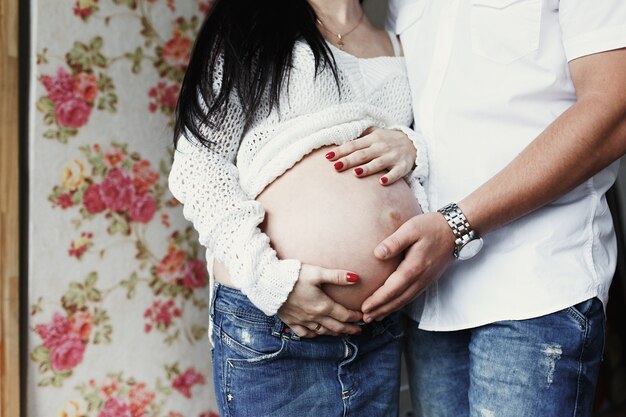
(461, 228)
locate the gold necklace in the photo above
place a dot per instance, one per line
(340, 37)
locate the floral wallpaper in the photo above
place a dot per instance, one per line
(118, 286)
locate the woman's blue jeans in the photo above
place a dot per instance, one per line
(262, 369)
(541, 367)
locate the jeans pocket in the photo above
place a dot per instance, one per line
(258, 387)
(579, 313)
(248, 338)
(505, 30)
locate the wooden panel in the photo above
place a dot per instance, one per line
(9, 218)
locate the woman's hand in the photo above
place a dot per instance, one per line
(309, 312)
(374, 151)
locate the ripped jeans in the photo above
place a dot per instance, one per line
(261, 368)
(541, 367)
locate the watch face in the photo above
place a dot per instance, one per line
(470, 249)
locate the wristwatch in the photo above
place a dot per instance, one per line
(468, 242)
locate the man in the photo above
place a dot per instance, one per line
(522, 104)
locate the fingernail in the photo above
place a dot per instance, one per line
(381, 251)
(367, 319)
(358, 171)
(338, 165)
(352, 277)
(384, 180)
(330, 155)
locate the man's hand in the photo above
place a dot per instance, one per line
(430, 244)
(309, 312)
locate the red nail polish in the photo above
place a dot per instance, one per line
(338, 165)
(352, 277)
(384, 180)
(330, 155)
(358, 171)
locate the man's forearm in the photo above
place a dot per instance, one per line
(581, 142)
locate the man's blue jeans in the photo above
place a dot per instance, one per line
(541, 367)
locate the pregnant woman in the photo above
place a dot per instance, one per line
(287, 110)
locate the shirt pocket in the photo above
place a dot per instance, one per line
(505, 30)
(408, 15)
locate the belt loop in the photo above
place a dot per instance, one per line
(278, 328)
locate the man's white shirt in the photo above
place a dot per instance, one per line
(487, 77)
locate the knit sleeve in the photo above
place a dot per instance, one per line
(418, 176)
(206, 181)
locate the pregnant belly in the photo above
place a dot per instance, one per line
(335, 220)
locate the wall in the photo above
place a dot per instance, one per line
(117, 285)
(117, 291)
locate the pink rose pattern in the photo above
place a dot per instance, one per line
(195, 274)
(92, 199)
(163, 98)
(140, 399)
(73, 112)
(121, 185)
(81, 324)
(185, 381)
(54, 331)
(82, 84)
(144, 176)
(126, 192)
(117, 190)
(176, 51)
(66, 346)
(142, 208)
(171, 267)
(179, 266)
(69, 101)
(115, 408)
(161, 315)
(67, 353)
(72, 96)
(118, 396)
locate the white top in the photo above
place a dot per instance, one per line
(218, 186)
(487, 77)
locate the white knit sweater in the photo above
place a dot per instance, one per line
(218, 186)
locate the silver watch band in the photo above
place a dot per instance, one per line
(459, 225)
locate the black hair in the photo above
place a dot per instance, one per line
(252, 41)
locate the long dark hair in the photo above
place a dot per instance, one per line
(252, 41)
